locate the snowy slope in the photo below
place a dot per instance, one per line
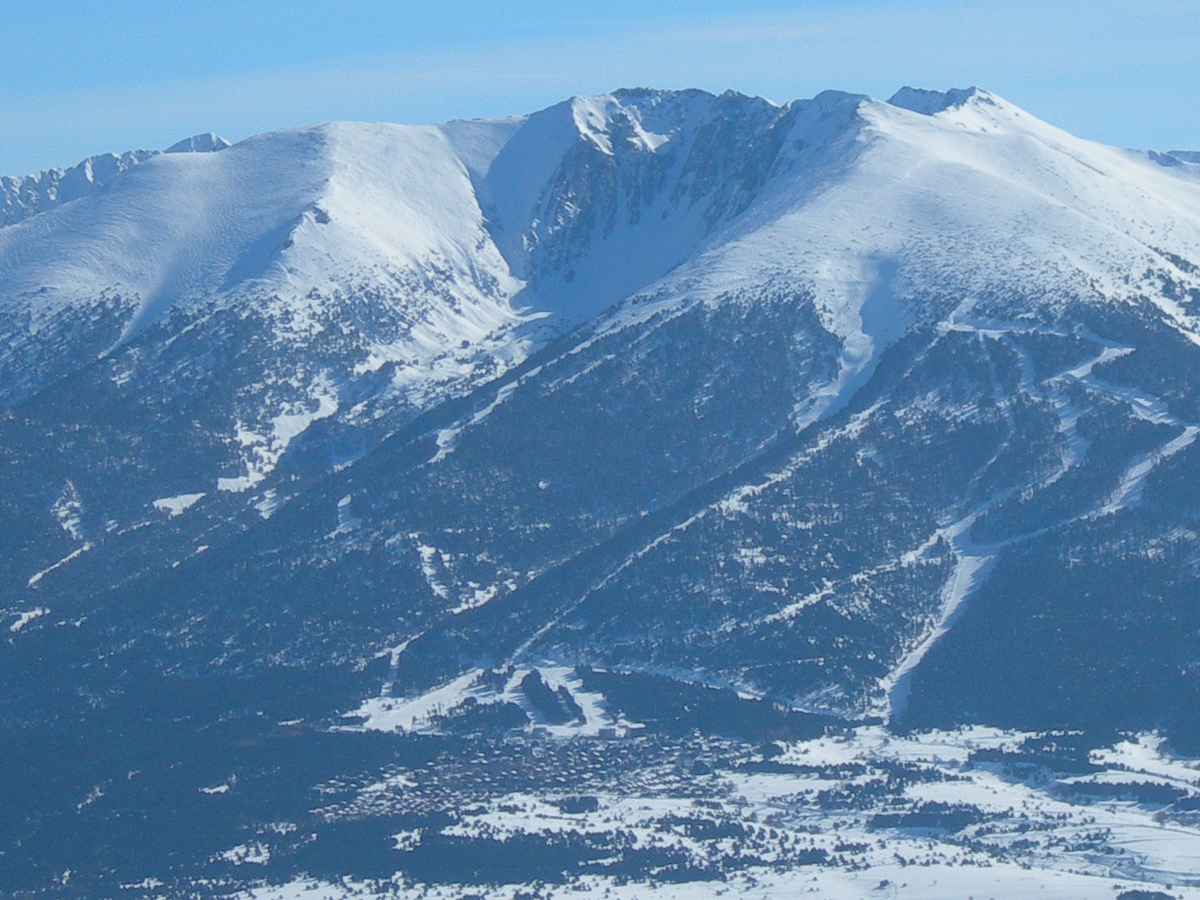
(286, 213)
(206, 142)
(902, 213)
(964, 221)
(583, 204)
(24, 196)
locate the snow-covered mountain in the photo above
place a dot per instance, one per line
(205, 142)
(22, 197)
(877, 410)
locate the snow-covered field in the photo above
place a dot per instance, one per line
(822, 823)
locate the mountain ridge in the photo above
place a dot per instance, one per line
(368, 488)
(22, 196)
(667, 198)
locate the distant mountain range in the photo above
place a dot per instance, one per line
(880, 412)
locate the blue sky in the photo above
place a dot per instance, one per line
(86, 77)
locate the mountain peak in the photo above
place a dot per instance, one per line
(829, 100)
(930, 103)
(199, 143)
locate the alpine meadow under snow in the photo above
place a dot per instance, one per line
(661, 494)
